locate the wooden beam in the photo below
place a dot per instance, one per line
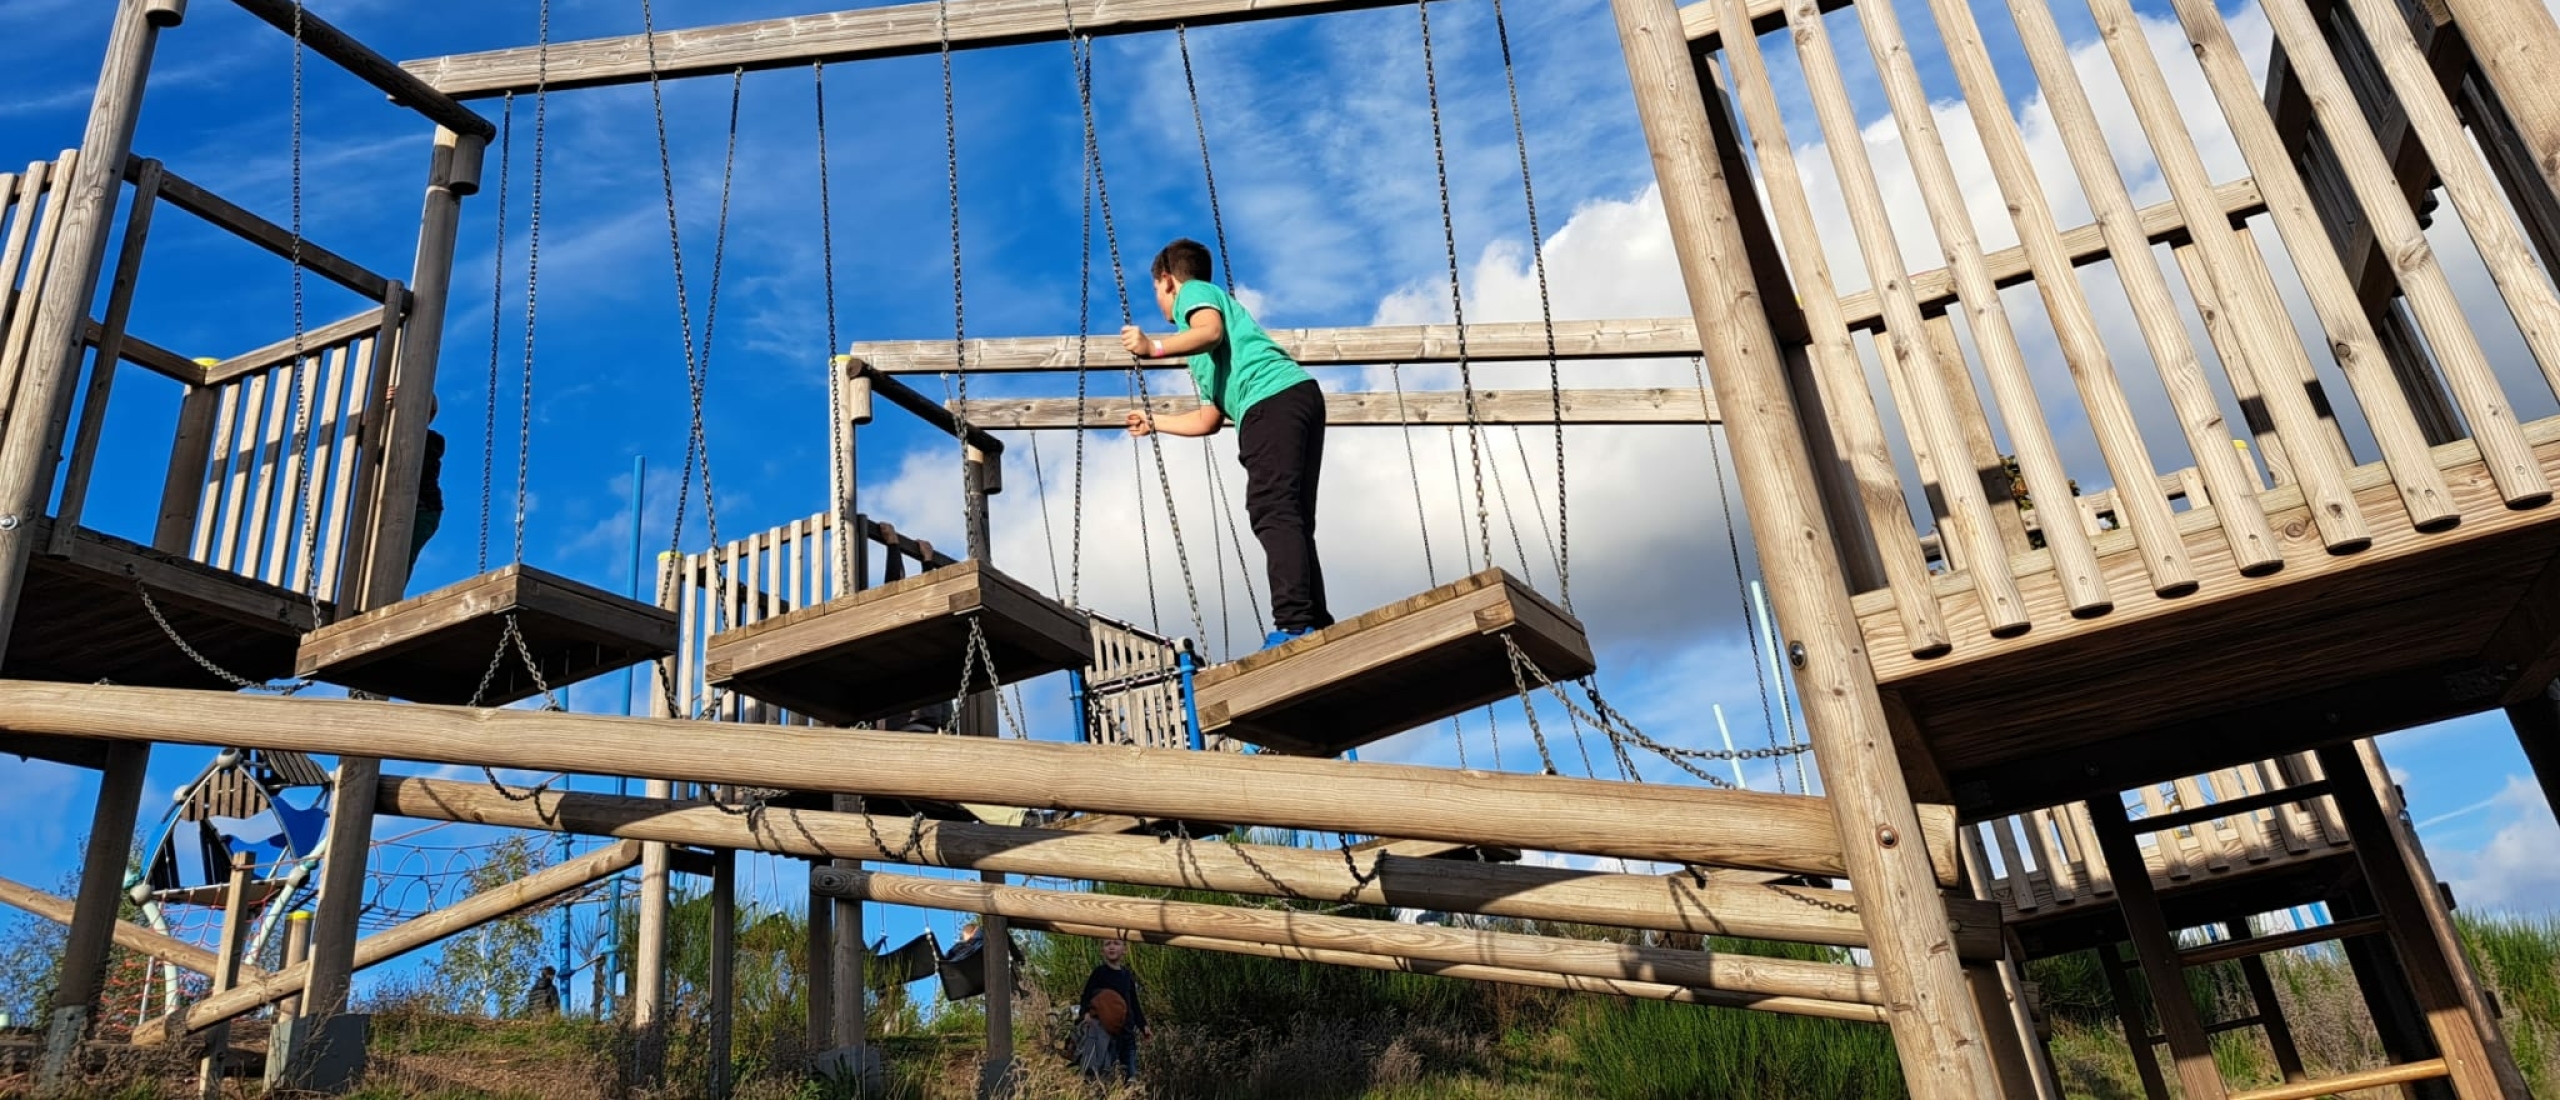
(1539, 979)
(1937, 1029)
(81, 978)
(194, 199)
(1735, 903)
(1627, 406)
(104, 367)
(404, 88)
(1751, 974)
(1502, 341)
(59, 750)
(399, 939)
(905, 397)
(149, 356)
(2156, 949)
(2254, 946)
(365, 322)
(1698, 19)
(1751, 829)
(2402, 1074)
(903, 30)
(131, 937)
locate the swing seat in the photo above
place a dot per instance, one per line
(1401, 666)
(435, 648)
(899, 646)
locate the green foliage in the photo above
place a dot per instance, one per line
(1647, 1049)
(2519, 957)
(30, 959)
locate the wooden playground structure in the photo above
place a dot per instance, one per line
(2358, 538)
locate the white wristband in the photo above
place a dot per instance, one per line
(1157, 346)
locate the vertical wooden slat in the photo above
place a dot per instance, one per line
(2208, 834)
(292, 480)
(1981, 462)
(2155, 312)
(18, 193)
(690, 643)
(2258, 323)
(269, 456)
(324, 454)
(1834, 358)
(2165, 842)
(217, 478)
(344, 473)
(2023, 895)
(40, 194)
(2368, 169)
(2050, 853)
(2102, 882)
(2084, 351)
(244, 462)
(2324, 279)
(1968, 511)
(182, 488)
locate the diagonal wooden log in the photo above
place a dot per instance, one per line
(1716, 828)
(1656, 991)
(397, 940)
(1752, 975)
(131, 937)
(1727, 903)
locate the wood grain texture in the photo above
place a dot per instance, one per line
(1790, 833)
(1342, 410)
(354, 56)
(1585, 958)
(437, 647)
(1725, 903)
(130, 936)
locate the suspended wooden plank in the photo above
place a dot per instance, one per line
(83, 619)
(1438, 849)
(436, 648)
(1400, 666)
(899, 646)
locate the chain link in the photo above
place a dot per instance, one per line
(1457, 299)
(533, 273)
(497, 295)
(836, 430)
(302, 393)
(1546, 312)
(225, 675)
(1616, 725)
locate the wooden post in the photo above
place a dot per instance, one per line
(2198, 1079)
(649, 954)
(297, 949)
(1935, 1025)
(2137, 1027)
(235, 925)
(41, 403)
(724, 967)
(399, 452)
(334, 926)
(110, 356)
(849, 1039)
(93, 913)
(995, 1076)
(2435, 975)
(820, 962)
(2537, 725)
(2516, 45)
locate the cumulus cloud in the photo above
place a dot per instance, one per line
(2513, 871)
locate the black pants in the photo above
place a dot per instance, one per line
(1281, 443)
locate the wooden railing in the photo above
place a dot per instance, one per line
(2332, 191)
(2046, 861)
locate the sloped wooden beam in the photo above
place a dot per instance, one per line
(1716, 828)
(131, 937)
(863, 34)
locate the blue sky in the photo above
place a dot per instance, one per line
(1320, 131)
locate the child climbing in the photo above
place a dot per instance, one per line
(1279, 412)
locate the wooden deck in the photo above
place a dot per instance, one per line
(436, 648)
(2059, 895)
(83, 619)
(899, 646)
(2418, 627)
(1392, 669)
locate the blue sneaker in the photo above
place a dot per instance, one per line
(1283, 636)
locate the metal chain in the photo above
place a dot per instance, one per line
(1616, 724)
(836, 433)
(1733, 547)
(301, 401)
(1208, 174)
(959, 298)
(1546, 311)
(1084, 334)
(1457, 303)
(871, 825)
(511, 639)
(225, 675)
(497, 295)
(533, 273)
(1218, 226)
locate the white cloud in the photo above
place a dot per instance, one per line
(2513, 871)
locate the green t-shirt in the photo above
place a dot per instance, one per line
(1237, 373)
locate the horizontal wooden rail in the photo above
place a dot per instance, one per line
(1716, 828)
(1571, 983)
(897, 31)
(1698, 19)
(496, 903)
(149, 356)
(1749, 974)
(365, 323)
(2227, 950)
(905, 397)
(2402, 1074)
(403, 87)
(194, 199)
(1725, 905)
(1628, 406)
(1502, 341)
(2233, 807)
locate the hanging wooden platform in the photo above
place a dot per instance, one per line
(1439, 849)
(899, 646)
(1400, 666)
(83, 619)
(435, 648)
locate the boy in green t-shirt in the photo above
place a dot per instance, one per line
(1279, 413)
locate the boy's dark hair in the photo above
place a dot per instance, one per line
(1184, 259)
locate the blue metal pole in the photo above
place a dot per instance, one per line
(1190, 702)
(1076, 703)
(622, 784)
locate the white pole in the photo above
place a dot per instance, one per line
(1778, 681)
(1730, 758)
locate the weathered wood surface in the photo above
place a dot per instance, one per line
(364, 322)
(1586, 958)
(1411, 662)
(2379, 1077)
(397, 940)
(1937, 1030)
(403, 87)
(1751, 829)
(1725, 904)
(193, 198)
(1658, 405)
(1681, 994)
(1501, 341)
(83, 619)
(894, 31)
(899, 646)
(437, 647)
(130, 936)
